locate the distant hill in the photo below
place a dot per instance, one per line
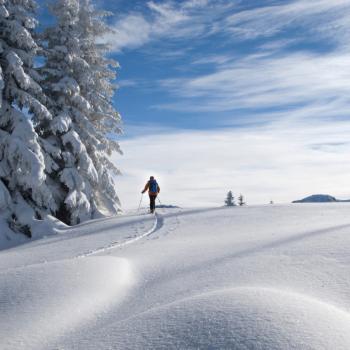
(319, 198)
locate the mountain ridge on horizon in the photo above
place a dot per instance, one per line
(320, 198)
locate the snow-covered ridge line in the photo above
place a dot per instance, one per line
(255, 289)
(233, 319)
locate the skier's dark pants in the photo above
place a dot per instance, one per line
(152, 202)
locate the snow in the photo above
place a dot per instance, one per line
(24, 191)
(77, 79)
(57, 296)
(259, 277)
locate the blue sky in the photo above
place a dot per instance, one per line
(251, 96)
(204, 64)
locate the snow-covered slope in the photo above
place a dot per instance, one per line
(268, 277)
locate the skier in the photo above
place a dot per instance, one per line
(153, 190)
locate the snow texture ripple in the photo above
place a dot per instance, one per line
(265, 277)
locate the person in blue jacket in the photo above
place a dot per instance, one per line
(153, 190)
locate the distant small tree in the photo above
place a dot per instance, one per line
(241, 200)
(230, 200)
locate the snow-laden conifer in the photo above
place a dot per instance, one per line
(78, 140)
(23, 193)
(98, 89)
(230, 200)
(241, 201)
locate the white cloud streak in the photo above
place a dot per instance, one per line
(326, 17)
(263, 82)
(166, 20)
(203, 18)
(125, 83)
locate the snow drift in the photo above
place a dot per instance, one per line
(46, 300)
(267, 277)
(240, 318)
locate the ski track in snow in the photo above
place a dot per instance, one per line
(158, 223)
(125, 241)
(89, 288)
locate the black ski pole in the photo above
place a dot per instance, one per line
(138, 209)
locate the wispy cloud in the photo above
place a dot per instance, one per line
(213, 59)
(125, 83)
(326, 17)
(136, 29)
(264, 82)
(203, 18)
(169, 19)
(274, 76)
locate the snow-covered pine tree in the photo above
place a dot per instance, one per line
(230, 200)
(98, 89)
(77, 143)
(241, 200)
(23, 193)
